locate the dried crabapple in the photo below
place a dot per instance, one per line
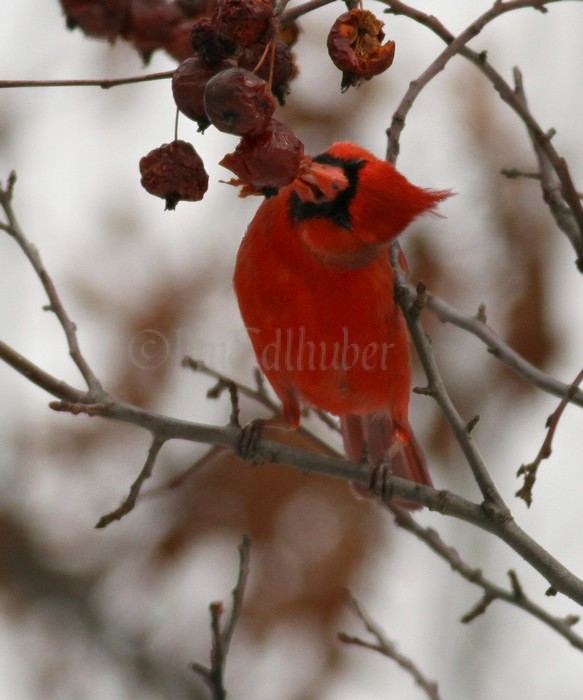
(355, 46)
(245, 22)
(289, 33)
(188, 86)
(284, 68)
(238, 102)
(266, 162)
(99, 18)
(209, 46)
(195, 8)
(153, 24)
(178, 43)
(174, 172)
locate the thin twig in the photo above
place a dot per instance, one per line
(130, 501)
(388, 648)
(214, 676)
(552, 190)
(529, 471)
(515, 596)
(507, 94)
(307, 7)
(258, 395)
(477, 326)
(436, 389)
(12, 227)
(104, 83)
(55, 387)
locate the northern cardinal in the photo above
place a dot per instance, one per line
(316, 292)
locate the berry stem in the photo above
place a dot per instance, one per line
(262, 59)
(176, 124)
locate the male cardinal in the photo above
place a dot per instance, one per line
(315, 288)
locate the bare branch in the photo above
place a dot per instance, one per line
(304, 9)
(130, 501)
(221, 639)
(529, 471)
(553, 195)
(44, 380)
(437, 389)
(492, 591)
(476, 325)
(387, 648)
(104, 83)
(13, 229)
(259, 394)
(507, 93)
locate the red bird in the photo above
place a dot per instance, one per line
(315, 288)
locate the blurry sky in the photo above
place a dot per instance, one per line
(115, 254)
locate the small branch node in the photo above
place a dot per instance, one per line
(472, 424)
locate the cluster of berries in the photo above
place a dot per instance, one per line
(239, 69)
(236, 61)
(147, 24)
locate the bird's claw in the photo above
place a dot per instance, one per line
(379, 483)
(248, 438)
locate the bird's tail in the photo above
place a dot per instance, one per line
(376, 433)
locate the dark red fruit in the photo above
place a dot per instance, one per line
(152, 24)
(289, 33)
(245, 22)
(177, 44)
(207, 44)
(174, 172)
(265, 163)
(188, 86)
(99, 18)
(284, 68)
(195, 8)
(238, 102)
(355, 46)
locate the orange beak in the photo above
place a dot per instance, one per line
(321, 183)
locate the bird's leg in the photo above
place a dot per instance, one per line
(251, 433)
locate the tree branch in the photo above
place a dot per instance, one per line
(130, 501)
(221, 638)
(12, 227)
(508, 95)
(529, 471)
(387, 648)
(477, 326)
(492, 591)
(104, 83)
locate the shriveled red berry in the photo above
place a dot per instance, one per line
(174, 172)
(188, 86)
(289, 33)
(238, 102)
(152, 24)
(245, 22)
(177, 44)
(194, 8)
(284, 68)
(266, 162)
(99, 18)
(355, 46)
(207, 44)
